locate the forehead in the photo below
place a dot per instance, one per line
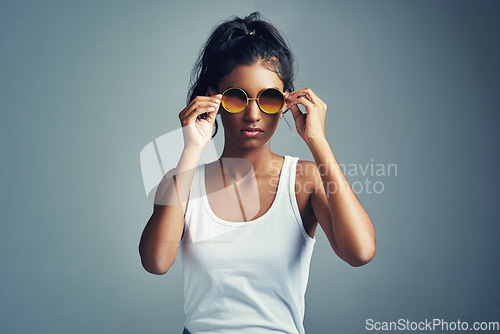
(252, 78)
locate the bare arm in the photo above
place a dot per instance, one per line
(345, 222)
(162, 235)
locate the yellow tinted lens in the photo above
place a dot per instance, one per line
(271, 100)
(234, 100)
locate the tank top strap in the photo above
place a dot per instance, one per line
(287, 186)
(290, 170)
(289, 181)
(291, 196)
(284, 175)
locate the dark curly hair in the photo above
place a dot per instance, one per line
(241, 42)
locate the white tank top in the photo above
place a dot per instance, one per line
(245, 277)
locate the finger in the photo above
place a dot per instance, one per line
(203, 103)
(296, 113)
(307, 92)
(211, 115)
(311, 97)
(304, 101)
(189, 116)
(198, 103)
(296, 94)
(192, 117)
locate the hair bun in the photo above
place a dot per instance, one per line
(240, 32)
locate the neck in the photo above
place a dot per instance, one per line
(261, 159)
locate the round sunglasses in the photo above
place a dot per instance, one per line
(235, 100)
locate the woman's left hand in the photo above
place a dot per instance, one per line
(311, 125)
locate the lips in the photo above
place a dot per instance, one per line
(252, 129)
(251, 132)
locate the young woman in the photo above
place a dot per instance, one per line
(245, 223)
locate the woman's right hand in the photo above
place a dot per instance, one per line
(197, 132)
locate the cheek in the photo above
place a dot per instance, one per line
(230, 122)
(275, 121)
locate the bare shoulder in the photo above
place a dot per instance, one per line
(307, 176)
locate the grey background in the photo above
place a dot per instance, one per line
(85, 85)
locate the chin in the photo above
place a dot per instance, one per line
(247, 143)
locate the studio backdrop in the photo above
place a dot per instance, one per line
(412, 89)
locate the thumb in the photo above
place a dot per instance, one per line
(295, 112)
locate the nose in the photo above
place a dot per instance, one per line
(252, 111)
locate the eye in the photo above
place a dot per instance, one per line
(234, 100)
(271, 100)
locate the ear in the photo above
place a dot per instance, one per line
(283, 110)
(211, 91)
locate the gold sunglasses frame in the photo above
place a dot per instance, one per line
(254, 98)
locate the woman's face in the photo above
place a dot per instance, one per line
(252, 79)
